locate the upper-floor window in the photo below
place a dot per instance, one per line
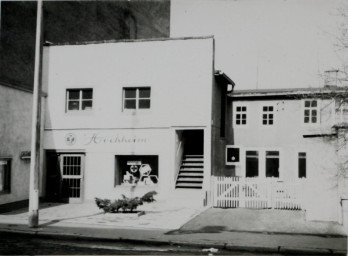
(136, 98)
(240, 116)
(79, 99)
(267, 115)
(311, 112)
(5, 175)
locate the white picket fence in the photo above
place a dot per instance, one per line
(233, 192)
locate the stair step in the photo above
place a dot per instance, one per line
(189, 180)
(193, 171)
(192, 164)
(189, 185)
(191, 174)
(191, 159)
(193, 156)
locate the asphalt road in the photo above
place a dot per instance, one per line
(18, 244)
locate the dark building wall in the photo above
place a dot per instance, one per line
(73, 21)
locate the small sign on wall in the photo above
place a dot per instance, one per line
(232, 155)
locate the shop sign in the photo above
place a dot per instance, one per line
(98, 138)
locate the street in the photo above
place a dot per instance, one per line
(18, 244)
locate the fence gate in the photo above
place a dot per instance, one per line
(233, 192)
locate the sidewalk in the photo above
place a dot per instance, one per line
(232, 229)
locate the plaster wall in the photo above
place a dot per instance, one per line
(179, 73)
(286, 136)
(15, 122)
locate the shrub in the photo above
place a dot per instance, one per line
(125, 204)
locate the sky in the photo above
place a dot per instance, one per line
(266, 43)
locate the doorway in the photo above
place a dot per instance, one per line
(64, 182)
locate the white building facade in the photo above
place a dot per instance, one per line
(291, 135)
(124, 117)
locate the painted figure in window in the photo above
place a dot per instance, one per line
(140, 175)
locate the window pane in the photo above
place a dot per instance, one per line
(243, 108)
(129, 104)
(307, 103)
(270, 116)
(144, 104)
(314, 112)
(270, 108)
(86, 104)
(270, 121)
(2, 178)
(87, 94)
(306, 112)
(265, 108)
(129, 93)
(306, 119)
(239, 109)
(243, 116)
(73, 105)
(264, 121)
(144, 92)
(302, 165)
(73, 94)
(243, 121)
(272, 153)
(264, 116)
(272, 167)
(314, 119)
(237, 121)
(238, 116)
(314, 103)
(252, 164)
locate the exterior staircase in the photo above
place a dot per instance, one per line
(191, 172)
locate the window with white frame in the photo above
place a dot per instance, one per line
(5, 175)
(240, 116)
(311, 112)
(137, 98)
(272, 163)
(267, 115)
(251, 163)
(79, 99)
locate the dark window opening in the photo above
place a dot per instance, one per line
(302, 165)
(5, 175)
(272, 164)
(252, 163)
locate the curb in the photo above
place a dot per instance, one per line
(198, 245)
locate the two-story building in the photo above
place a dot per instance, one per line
(127, 117)
(292, 135)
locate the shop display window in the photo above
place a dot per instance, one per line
(136, 170)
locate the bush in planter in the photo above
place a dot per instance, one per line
(125, 204)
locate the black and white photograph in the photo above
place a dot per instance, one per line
(173, 127)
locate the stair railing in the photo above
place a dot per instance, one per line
(179, 157)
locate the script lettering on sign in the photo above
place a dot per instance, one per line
(97, 138)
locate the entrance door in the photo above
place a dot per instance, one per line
(71, 166)
(64, 181)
